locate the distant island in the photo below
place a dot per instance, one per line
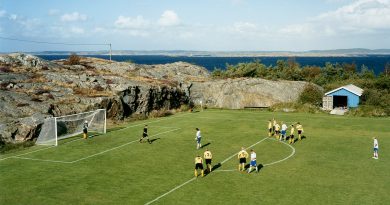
(311, 53)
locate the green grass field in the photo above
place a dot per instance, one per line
(333, 165)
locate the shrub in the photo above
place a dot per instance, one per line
(109, 81)
(73, 59)
(22, 104)
(3, 85)
(160, 113)
(36, 99)
(311, 94)
(41, 91)
(5, 69)
(5, 147)
(98, 88)
(369, 111)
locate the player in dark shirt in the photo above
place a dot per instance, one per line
(145, 135)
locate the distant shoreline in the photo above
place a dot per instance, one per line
(355, 52)
(375, 62)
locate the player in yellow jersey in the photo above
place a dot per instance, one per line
(291, 140)
(198, 165)
(208, 157)
(300, 130)
(273, 126)
(277, 131)
(242, 155)
(269, 128)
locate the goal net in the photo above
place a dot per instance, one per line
(57, 128)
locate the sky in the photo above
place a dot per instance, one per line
(203, 25)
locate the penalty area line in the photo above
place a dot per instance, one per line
(93, 155)
(99, 153)
(192, 179)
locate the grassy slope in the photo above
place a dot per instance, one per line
(332, 166)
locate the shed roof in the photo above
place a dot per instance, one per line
(351, 88)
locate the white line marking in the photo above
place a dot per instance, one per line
(16, 156)
(192, 179)
(122, 146)
(172, 190)
(227, 159)
(99, 153)
(28, 152)
(44, 160)
(292, 153)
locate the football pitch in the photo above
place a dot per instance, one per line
(332, 165)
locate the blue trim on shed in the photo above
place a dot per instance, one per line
(353, 99)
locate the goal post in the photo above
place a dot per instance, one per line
(58, 128)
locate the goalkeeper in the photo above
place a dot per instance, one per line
(85, 130)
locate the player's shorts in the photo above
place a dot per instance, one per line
(208, 161)
(242, 160)
(253, 163)
(277, 132)
(375, 149)
(299, 132)
(85, 131)
(198, 139)
(283, 132)
(198, 166)
(291, 136)
(270, 130)
(144, 135)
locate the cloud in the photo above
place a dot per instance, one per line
(53, 12)
(13, 17)
(138, 22)
(169, 18)
(360, 16)
(75, 16)
(2, 13)
(77, 30)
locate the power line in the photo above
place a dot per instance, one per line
(57, 43)
(45, 42)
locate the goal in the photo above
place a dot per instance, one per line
(57, 128)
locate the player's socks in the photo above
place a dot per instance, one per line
(257, 170)
(239, 167)
(196, 173)
(202, 173)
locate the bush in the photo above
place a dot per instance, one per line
(311, 94)
(160, 113)
(73, 59)
(5, 147)
(5, 69)
(369, 111)
(98, 88)
(294, 107)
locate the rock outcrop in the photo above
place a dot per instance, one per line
(32, 89)
(245, 92)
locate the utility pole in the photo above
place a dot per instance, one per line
(110, 52)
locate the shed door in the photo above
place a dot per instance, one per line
(327, 102)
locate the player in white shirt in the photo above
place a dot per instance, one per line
(253, 162)
(284, 130)
(376, 148)
(198, 138)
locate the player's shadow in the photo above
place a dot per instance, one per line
(259, 167)
(152, 140)
(215, 167)
(205, 145)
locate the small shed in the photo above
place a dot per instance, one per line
(342, 97)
